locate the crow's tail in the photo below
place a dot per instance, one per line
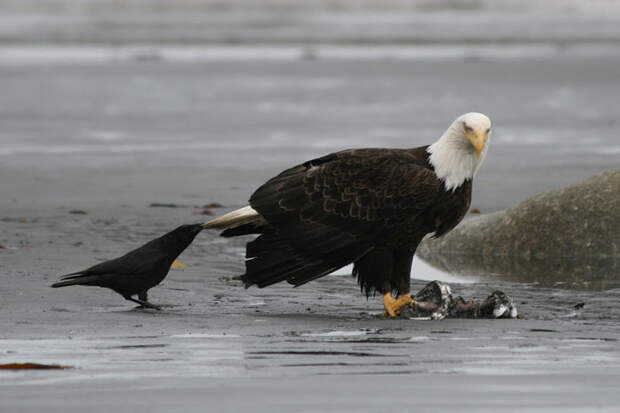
(64, 283)
(77, 279)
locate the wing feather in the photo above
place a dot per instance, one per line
(355, 191)
(330, 211)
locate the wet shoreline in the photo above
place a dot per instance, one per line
(216, 340)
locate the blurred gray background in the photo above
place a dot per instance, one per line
(108, 103)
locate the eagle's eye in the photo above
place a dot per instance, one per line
(488, 131)
(467, 128)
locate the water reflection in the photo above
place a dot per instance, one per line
(593, 274)
(421, 270)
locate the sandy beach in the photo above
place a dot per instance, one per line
(94, 131)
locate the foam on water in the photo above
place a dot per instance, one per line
(190, 335)
(354, 333)
(105, 135)
(195, 54)
(64, 149)
(606, 150)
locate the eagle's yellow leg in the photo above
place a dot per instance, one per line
(393, 305)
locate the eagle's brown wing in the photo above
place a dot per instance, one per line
(329, 212)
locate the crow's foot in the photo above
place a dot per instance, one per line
(143, 304)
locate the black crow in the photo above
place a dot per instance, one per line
(138, 270)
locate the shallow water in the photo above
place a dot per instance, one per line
(181, 132)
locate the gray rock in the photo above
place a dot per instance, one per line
(566, 236)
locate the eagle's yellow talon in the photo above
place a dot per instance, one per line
(393, 305)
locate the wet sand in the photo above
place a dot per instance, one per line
(320, 347)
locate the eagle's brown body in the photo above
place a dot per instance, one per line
(370, 207)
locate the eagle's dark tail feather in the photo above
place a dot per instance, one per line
(271, 259)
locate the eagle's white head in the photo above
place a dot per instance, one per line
(458, 154)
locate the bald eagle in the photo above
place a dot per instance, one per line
(370, 207)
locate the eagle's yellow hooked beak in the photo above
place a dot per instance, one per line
(477, 139)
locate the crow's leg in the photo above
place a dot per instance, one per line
(143, 303)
